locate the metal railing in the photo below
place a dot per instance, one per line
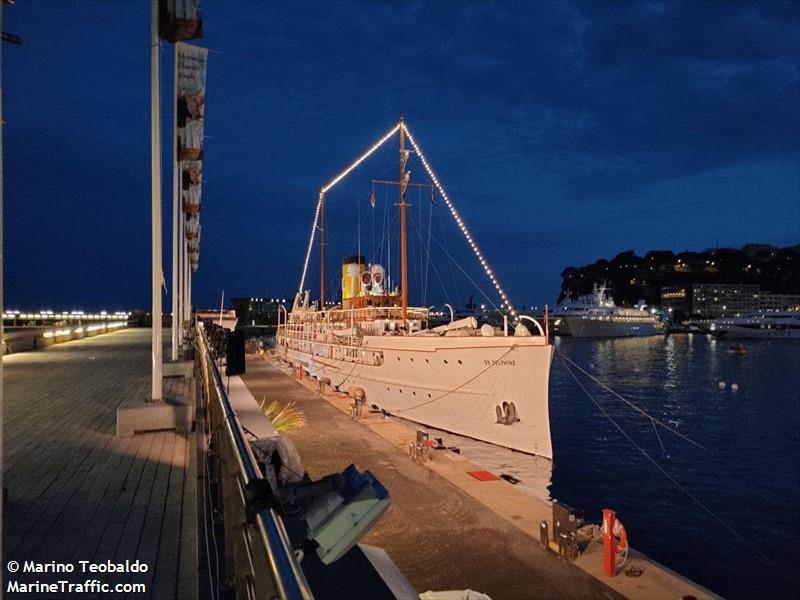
(259, 558)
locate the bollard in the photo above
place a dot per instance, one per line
(562, 545)
(556, 529)
(544, 534)
(572, 545)
(609, 543)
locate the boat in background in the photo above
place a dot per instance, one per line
(596, 315)
(764, 325)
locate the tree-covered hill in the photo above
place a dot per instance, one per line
(632, 278)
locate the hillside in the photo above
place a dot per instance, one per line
(631, 277)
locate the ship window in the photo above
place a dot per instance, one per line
(429, 395)
(387, 388)
(413, 393)
(445, 361)
(427, 361)
(401, 390)
(398, 358)
(412, 360)
(459, 362)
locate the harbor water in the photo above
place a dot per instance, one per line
(725, 515)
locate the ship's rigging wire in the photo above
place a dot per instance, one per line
(441, 283)
(460, 268)
(327, 187)
(446, 250)
(506, 302)
(661, 469)
(654, 420)
(470, 239)
(428, 251)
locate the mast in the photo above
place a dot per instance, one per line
(403, 257)
(322, 250)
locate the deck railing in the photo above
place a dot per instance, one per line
(259, 558)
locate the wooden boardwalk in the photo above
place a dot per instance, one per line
(77, 492)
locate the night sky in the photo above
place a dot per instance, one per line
(564, 132)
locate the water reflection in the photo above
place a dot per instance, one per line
(747, 475)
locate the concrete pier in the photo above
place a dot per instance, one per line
(440, 537)
(445, 529)
(78, 492)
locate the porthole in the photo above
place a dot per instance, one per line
(445, 361)
(401, 391)
(459, 362)
(398, 358)
(413, 393)
(387, 388)
(429, 395)
(427, 361)
(411, 359)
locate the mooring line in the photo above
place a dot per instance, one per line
(672, 479)
(628, 402)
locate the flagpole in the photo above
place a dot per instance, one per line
(2, 336)
(176, 323)
(185, 314)
(155, 173)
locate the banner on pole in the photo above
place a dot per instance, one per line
(179, 20)
(191, 186)
(190, 86)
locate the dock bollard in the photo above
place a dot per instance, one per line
(544, 534)
(572, 545)
(563, 541)
(556, 529)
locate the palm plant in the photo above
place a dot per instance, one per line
(284, 417)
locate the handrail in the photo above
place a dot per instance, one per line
(535, 322)
(288, 578)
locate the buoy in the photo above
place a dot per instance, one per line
(721, 385)
(734, 387)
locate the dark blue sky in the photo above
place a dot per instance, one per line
(563, 132)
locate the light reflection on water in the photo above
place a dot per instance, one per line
(748, 475)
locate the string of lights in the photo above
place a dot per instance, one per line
(470, 240)
(506, 303)
(328, 186)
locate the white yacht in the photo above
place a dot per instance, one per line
(485, 382)
(770, 325)
(596, 315)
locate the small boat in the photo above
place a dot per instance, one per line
(738, 349)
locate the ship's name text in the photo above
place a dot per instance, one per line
(500, 363)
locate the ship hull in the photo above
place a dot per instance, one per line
(593, 327)
(452, 383)
(758, 334)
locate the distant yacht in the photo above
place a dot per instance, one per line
(596, 315)
(770, 325)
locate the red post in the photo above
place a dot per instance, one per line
(609, 543)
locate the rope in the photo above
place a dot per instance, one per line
(661, 469)
(653, 419)
(470, 380)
